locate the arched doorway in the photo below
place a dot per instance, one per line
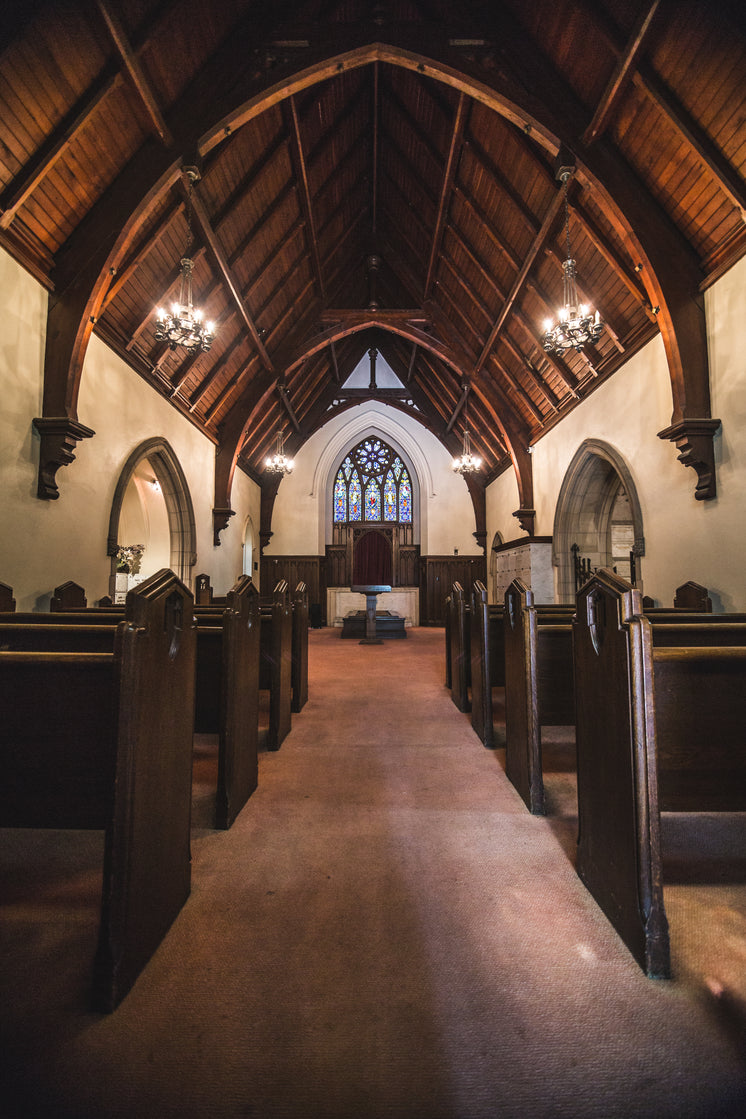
(598, 518)
(152, 498)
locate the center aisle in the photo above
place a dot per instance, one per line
(387, 933)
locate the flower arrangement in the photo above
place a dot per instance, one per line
(129, 557)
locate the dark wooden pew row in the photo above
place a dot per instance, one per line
(539, 689)
(488, 657)
(226, 685)
(459, 631)
(658, 729)
(7, 602)
(300, 648)
(104, 741)
(275, 666)
(227, 695)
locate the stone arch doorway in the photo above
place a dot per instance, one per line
(372, 560)
(598, 513)
(152, 487)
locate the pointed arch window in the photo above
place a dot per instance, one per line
(373, 485)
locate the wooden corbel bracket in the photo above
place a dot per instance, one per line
(58, 435)
(220, 519)
(694, 442)
(526, 519)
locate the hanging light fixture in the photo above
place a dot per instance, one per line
(277, 463)
(467, 463)
(577, 324)
(183, 325)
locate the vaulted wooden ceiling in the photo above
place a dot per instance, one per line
(374, 176)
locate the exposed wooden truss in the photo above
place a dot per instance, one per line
(376, 169)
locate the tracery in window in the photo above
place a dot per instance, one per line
(372, 484)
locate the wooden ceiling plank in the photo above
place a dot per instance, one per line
(449, 177)
(621, 76)
(304, 193)
(218, 255)
(135, 71)
(149, 242)
(518, 388)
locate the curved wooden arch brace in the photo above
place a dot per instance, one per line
(670, 273)
(515, 437)
(175, 490)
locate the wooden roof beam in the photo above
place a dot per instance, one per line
(622, 75)
(282, 392)
(218, 255)
(304, 192)
(449, 177)
(520, 280)
(57, 143)
(141, 85)
(460, 403)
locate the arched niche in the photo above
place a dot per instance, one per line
(171, 480)
(599, 511)
(249, 549)
(497, 540)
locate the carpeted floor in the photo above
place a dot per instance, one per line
(385, 933)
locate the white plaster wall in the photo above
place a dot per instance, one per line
(684, 538)
(45, 543)
(501, 500)
(301, 520)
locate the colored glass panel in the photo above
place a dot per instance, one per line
(340, 498)
(355, 498)
(347, 467)
(389, 498)
(372, 502)
(405, 498)
(397, 467)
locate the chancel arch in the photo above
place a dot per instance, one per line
(154, 464)
(598, 520)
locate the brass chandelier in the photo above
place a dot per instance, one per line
(576, 324)
(278, 463)
(467, 463)
(183, 325)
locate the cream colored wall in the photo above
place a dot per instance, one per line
(684, 538)
(301, 521)
(501, 501)
(45, 543)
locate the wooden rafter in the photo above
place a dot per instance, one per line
(449, 176)
(621, 76)
(131, 62)
(304, 193)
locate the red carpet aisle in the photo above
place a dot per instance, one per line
(385, 933)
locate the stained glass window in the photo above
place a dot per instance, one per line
(405, 498)
(355, 492)
(389, 498)
(340, 499)
(372, 484)
(373, 501)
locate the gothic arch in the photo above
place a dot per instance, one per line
(593, 481)
(175, 490)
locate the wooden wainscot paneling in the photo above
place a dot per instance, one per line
(437, 576)
(310, 570)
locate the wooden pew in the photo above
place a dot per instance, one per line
(300, 648)
(487, 661)
(104, 741)
(227, 695)
(275, 669)
(227, 677)
(460, 646)
(539, 675)
(7, 602)
(538, 685)
(68, 596)
(657, 729)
